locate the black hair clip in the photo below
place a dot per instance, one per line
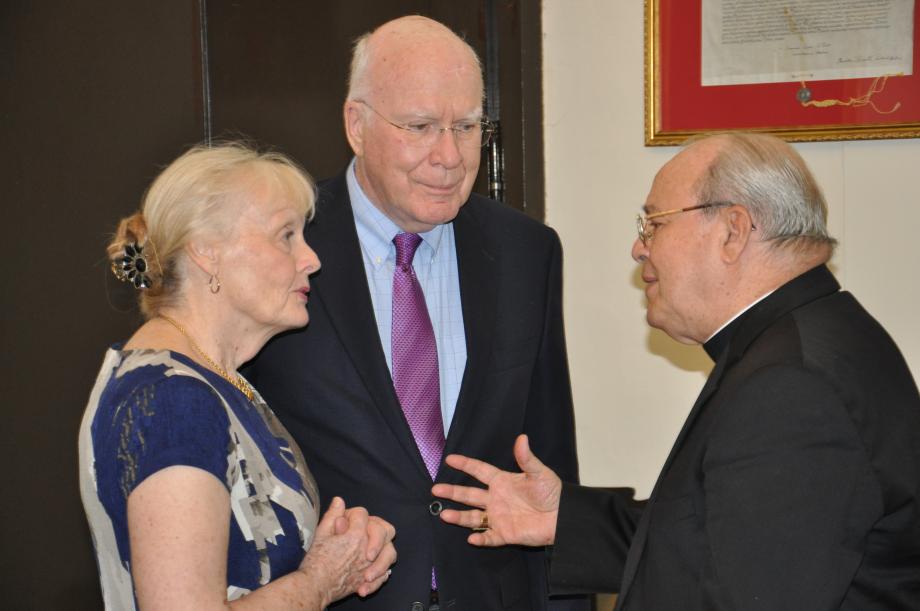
(133, 267)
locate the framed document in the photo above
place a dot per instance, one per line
(804, 70)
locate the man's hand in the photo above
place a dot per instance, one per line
(521, 507)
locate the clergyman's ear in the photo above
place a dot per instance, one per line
(739, 226)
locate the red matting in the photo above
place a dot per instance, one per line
(683, 107)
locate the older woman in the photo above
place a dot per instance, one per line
(196, 495)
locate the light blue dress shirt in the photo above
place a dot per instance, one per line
(435, 266)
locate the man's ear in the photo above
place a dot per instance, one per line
(354, 126)
(738, 225)
(204, 255)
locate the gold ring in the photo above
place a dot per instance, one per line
(483, 524)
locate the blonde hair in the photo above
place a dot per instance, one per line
(200, 193)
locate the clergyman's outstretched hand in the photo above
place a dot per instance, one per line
(521, 507)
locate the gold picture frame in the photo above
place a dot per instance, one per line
(677, 107)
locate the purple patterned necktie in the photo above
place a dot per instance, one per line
(415, 359)
(415, 356)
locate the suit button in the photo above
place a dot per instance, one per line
(435, 508)
(417, 606)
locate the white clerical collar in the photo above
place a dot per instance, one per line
(739, 313)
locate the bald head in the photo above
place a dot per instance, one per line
(407, 45)
(413, 118)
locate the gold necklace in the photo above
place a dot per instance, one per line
(239, 382)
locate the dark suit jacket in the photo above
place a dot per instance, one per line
(794, 484)
(330, 386)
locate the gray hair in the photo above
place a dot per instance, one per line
(357, 76)
(769, 178)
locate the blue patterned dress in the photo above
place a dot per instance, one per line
(153, 409)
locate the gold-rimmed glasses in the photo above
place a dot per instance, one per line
(424, 133)
(647, 229)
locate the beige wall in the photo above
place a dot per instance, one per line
(633, 387)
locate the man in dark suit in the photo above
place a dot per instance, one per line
(490, 281)
(795, 481)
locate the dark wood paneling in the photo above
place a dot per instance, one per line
(528, 83)
(96, 95)
(280, 76)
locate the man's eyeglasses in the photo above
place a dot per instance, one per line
(423, 133)
(647, 229)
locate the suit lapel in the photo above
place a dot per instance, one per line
(477, 263)
(341, 289)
